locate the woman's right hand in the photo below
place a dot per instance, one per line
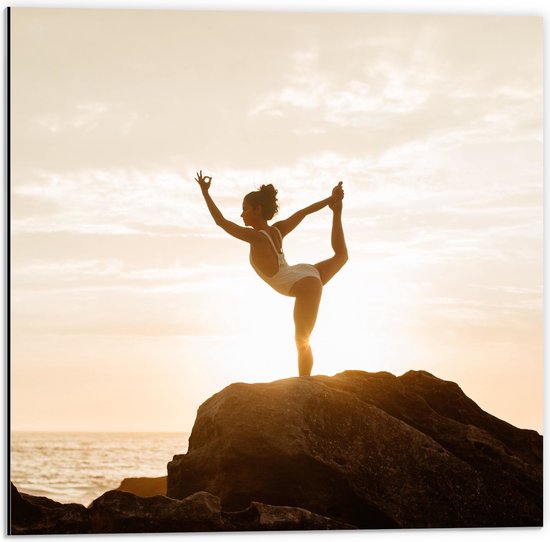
(202, 180)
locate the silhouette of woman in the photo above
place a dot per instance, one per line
(303, 281)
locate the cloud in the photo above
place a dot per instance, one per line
(116, 201)
(83, 117)
(111, 297)
(109, 274)
(414, 79)
(385, 89)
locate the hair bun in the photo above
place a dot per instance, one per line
(268, 189)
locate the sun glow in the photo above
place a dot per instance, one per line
(356, 328)
(266, 332)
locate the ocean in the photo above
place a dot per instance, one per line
(79, 467)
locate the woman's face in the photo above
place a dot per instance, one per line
(250, 214)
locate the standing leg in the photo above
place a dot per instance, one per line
(308, 296)
(328, 268)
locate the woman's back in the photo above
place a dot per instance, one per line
(265, 254)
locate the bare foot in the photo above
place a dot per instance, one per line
(337, 197)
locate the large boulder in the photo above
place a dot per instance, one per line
(368, 449)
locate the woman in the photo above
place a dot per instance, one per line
(303, 281)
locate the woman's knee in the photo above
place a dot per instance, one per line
(302, 339)
(340, 260)
(342, 256)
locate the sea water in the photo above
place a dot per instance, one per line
(79, 467)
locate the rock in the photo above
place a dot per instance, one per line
(366, 449)
(39, 515)
(144, 487)
(122, 512)
(119, 512)
(264, 517)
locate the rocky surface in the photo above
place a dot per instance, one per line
(39, 515)
(144, 487)
(367, 449)
(122, 512)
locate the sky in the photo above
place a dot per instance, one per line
(130, 307)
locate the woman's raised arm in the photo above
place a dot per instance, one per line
(286, 226)
(244, 234)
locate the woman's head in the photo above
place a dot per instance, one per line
(266, 197)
